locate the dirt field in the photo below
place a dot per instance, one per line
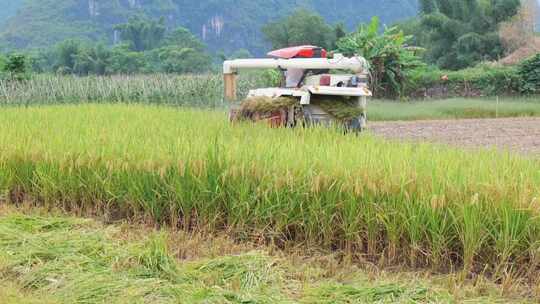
(517, 134)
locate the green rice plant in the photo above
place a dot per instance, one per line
(405, 203)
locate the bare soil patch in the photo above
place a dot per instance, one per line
(514, 134)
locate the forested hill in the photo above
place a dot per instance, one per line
(224, 25)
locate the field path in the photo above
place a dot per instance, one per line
(517, 134)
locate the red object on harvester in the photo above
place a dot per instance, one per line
(303, 51)
(326, 80)
(275, 119)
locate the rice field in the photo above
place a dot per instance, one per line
(414, 205)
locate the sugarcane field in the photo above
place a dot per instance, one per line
(269, 151)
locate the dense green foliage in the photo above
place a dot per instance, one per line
(482, 80)
(302, 27)
(407, 204)
(2, 62)
(225, 25)
(145, 48)
(460, 33)
(529, 72)
(142, 34)
(13, 67)
(386, 52)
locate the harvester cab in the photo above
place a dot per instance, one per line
(316, 89)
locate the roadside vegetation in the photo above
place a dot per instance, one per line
(393, 204)
(461, 33)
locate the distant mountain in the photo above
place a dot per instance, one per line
(224, 25)
(538, 16)
(9, 9)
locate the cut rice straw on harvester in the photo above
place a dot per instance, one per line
(341, 108)
(263, 104)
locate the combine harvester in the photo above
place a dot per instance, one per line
(311, 92)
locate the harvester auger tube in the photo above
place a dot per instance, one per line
(311, 93)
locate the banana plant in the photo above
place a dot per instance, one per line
(387, 52)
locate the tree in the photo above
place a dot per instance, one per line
(66, 52)
(92, 60)
(2, 62)
(339, 32)
(302, 27)
(529, 72)
(15, 66)
(387, 53)
(240, 54)
(461, 33)
(182, 37)
(142, 34)
(42, 60)
(176, 52)
(428, 6)
(173, 59)
(125, 61)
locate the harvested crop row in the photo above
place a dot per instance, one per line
(418, 204)
(71, 260)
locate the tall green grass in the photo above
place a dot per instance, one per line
(192, 90)
(416, 204)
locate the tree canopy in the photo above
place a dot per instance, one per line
(302, 27)
(460, 33)
(387, 53)
(142, 34)
(224, 25)
(146, 46)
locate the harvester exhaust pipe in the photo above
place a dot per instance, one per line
(230, 87)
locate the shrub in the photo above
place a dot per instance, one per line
(2, 65)
(2, 62)
(481, 80)
(529, 74)
(15, 67)
(386, 52)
